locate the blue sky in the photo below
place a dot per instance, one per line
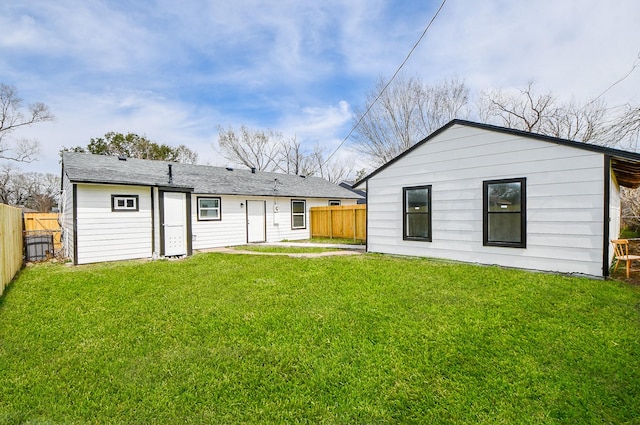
(174, 71)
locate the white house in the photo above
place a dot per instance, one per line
(116, 208)
(490, 195)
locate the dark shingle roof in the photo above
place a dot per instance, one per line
(88, 168)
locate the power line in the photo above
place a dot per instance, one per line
(395, 74)
(621, 79)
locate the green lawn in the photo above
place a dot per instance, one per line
(222, 338)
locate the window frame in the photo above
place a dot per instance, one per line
(523, 213)
(303, 214)
(406, 213)
(219, 208)
(116, 208)
(335, 203)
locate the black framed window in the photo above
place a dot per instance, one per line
(505, 213)
(209, 209)
(298, 214)
(417, 213)
(124, 203)
(335, 202)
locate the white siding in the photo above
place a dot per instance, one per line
(66, 217)
(565, 193)
(232, 228)
(104, 235)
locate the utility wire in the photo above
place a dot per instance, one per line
(395, 74)
(624, 77)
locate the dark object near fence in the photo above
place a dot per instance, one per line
(38, 247)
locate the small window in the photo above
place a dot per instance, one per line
(124, 202)
(209, 209)
(335, 203)
(505, 220)
(417, 213)
(298, 214)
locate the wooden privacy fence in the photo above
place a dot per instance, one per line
(10, 244)
(43, 224)
(348, 222)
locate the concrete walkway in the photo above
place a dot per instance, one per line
(314, 245)
(343, 249)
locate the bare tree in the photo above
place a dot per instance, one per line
(332, 169)
(7, 171)
(268, 150)
(12, 118)
(259, 149)
(44, 191)
(624, 130)
(573, 121)
(630, 209)
(185, 155)
(404, 113)
(527, 110)
(294, 159)
(523, 111)
(32, 190)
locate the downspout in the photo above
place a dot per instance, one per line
(366, 218)
(189, 225)
(74, 220)
(153, 224)
(607, 216)
(161, 223)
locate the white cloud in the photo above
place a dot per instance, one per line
(572, 48)
(318, 124)
(174, 70)
(82, 116)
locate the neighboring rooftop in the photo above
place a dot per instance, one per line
(89, 168)
(349, 186)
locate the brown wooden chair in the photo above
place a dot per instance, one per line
(621, 253)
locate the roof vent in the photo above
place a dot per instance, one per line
(303, 176)
(122, 157)
(253, 170)
(229, 169)
(170, 175)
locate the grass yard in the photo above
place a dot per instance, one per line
(366, 339)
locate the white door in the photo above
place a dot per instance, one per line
(175, 224)
(256, 221)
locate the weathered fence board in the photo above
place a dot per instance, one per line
(348, 222)
(11, 247)
(43, 223)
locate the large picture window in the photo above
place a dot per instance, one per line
(298, 214)
(505, 220)
(209, 209)
(417, 213)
